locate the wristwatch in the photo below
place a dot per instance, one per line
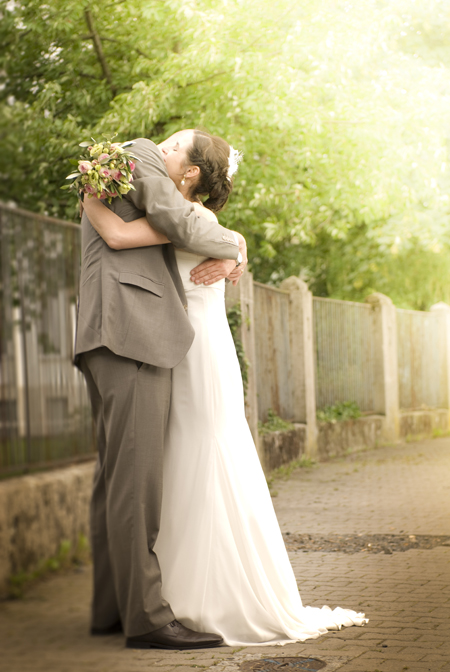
(239, 259)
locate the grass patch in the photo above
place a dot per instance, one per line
(66, 558)
(437, 433)
(415, 438)
(286, 470)
(345, 410)
(274, 424)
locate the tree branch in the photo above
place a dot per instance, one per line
(99, 50)
(85, 74)
(136, 49)
(216, 74)
(123, 44)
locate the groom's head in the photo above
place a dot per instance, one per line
(198, 163)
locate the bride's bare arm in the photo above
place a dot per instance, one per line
(116, 233)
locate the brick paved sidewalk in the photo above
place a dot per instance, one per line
(396, 490)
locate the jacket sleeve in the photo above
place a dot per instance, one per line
(168, 212)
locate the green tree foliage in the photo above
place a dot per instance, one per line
(340, 108)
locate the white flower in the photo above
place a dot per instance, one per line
(233, 161)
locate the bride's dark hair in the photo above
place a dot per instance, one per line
(210, 153)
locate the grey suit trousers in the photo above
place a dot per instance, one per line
(130, 404)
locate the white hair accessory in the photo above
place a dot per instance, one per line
(233, 162)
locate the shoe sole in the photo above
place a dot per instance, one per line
(149, 645)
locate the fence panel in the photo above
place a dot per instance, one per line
(345, 353)
(273, 353)
(422, 359)
(44, 408)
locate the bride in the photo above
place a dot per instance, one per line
(224, 565)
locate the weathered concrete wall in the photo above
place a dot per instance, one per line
(339, 438)
(39, 512)
(422, 423)
(279, 448)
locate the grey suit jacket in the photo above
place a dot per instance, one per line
(132, 301)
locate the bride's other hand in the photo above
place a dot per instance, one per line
(236, 274)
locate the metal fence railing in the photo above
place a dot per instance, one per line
(422, 359)
(345, 352)
(45, 414)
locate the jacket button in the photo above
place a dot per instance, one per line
(185, 306)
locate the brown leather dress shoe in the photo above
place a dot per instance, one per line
(174, 636)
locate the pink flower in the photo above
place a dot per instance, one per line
(114, 145)
(132, 165)
(103, 157)
(103, 195)
(104, 172)
(116, 175)
(89, 189)
(95, 162)
(84, 166)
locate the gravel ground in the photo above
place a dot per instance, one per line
(363, 543)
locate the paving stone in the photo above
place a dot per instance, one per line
(396, 490)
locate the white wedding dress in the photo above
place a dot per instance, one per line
(224, 565)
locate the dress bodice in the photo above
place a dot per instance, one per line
(186, 261)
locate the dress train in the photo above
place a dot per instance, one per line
(224, 565)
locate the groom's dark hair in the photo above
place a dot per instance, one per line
(211, 154)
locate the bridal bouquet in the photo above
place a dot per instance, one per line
(104, 170)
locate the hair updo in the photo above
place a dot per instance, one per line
(211, 154)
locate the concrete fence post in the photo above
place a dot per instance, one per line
(386, 386)
(242, 294)
(444, 309)
(302, 358)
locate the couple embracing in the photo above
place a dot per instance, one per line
(186, 546)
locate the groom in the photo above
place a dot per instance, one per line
(132, 330)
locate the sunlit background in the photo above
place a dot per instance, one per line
(341, 110)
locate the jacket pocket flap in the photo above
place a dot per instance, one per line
(143, 283)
